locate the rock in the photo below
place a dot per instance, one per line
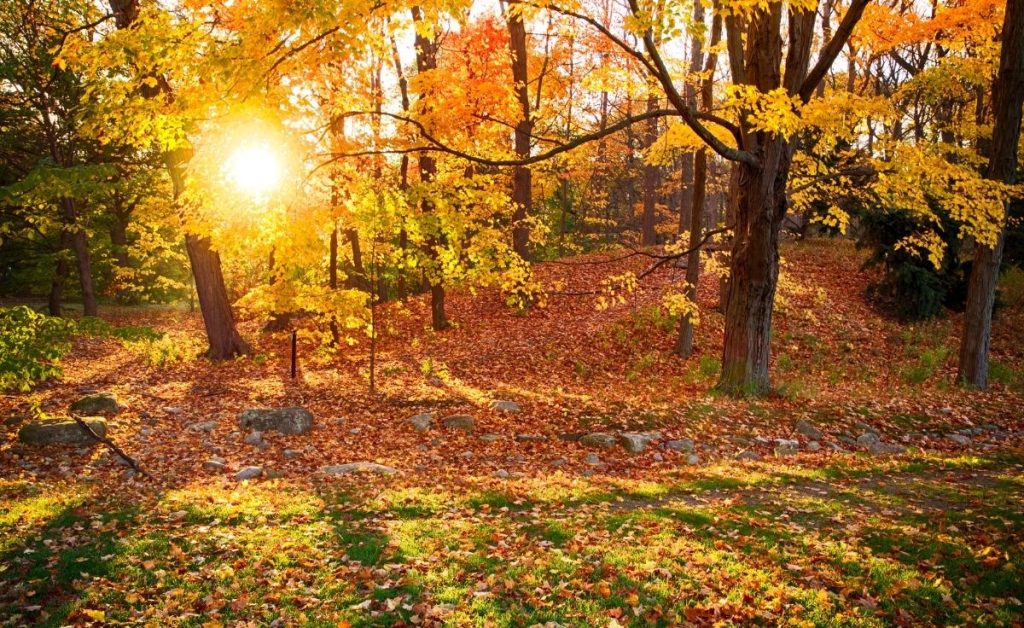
(173, 410)
(528, 438)
(598, 439)
(357, 467)
(694, 459)
(273, 474)
(571, 436)
(254, 438)
(501, 473)
(679, 444)
(421, 421)
(466, 455)
(786, 447)
(658, 457)
(103, 403)
(284, 420)
(959, 439)
(202, 426)
(356, 430)
(592, 459)
(214, 464)
(62, 431)
(813, 446)
(879, 448)
(748, 455)
(635, 442)
(864, 427)
(462, 422)
(559, 462)
(248, 473)
(867, 439)
(291, 454)
(808, 430)
(504, 406)
(490, 437)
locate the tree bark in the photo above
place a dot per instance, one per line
(426, 60)
(1007, 100)
(684, 347)
(80, 245)
(522, 176)
(60, 275)
(213, 300)
(648, 232)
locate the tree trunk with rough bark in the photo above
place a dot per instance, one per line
(1007, 100)
(522, 176)
(80, 245)
(426, 60)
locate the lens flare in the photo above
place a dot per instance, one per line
(253, 169)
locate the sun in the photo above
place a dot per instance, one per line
(253, 169)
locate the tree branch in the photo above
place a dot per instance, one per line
(832, 49)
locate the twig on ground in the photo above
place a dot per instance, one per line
(110, 444)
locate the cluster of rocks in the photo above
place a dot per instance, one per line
(66, 431)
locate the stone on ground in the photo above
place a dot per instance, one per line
(748, 455)
(598, 439)
(813, 446)
(254, 438)
(248, 473)
(867, 439)
(62, 431)
(490, 437)
(422, 421)
(501, 474)
(786, 447)
(103, 403)
(214, 464)
(528, 438)
(880, 448)
(502, 405)
(592, 459)
(462, 422)
(959, 439)
(202, 426)
(284, 420)
(635, 442)
(679, 444)
(693, 459)
(357, 467)
(807, 429)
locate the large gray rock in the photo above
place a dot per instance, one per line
(808, 430)
(422, 421)
(959, 439)
(867, 439)
(62, 431)
(635, 442)
(462, 422)
(502, 405)
(248, 473)
(786, 447)
(679, 444)
(284, 420)
(598, 439)
(357, 467)
(90, 405)
(880, 448)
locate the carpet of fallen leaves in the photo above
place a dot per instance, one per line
(933, 535)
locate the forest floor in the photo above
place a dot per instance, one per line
(486, 528)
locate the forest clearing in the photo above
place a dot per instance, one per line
(511, 313)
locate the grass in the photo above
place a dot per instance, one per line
(859, 542)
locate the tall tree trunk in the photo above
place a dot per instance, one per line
(1007, 100)
(522, 177)
(214, 304)
(213, 300)
(119, 239)
(426, 60)
(648, 233)
(60, 275)
(80, 245)
(684, 347)
(761, 205)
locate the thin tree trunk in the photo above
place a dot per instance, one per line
(522, 176)
(684, 346)
(60, 275)
(426, 60)
(649, 235)
(1007, 100)
(80, 245)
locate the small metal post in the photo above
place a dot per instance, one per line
(294, 343)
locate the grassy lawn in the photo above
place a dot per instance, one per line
(859, 541)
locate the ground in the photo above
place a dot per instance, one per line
(502, 531)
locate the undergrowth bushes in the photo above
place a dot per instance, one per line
(32, 344)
